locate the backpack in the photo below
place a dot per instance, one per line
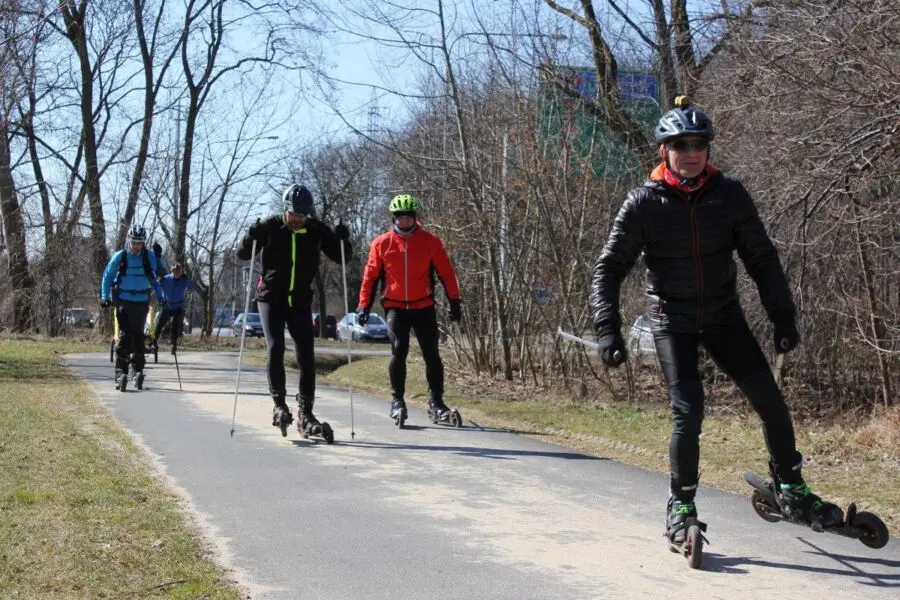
(123, 267)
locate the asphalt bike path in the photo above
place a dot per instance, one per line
(436, 512)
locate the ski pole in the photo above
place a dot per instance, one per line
(237, 383)
(592, 345)
(178, 371)
(349, 353)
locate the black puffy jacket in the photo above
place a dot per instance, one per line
(688, 243)
(286, 252)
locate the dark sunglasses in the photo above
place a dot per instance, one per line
(683, 145)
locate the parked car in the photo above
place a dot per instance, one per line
(78, 317)
(375, 330)
(639, 338)
(330, 326)
(252, 324)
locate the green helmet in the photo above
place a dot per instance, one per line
(403, 203)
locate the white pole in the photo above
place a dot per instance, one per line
(237, 383)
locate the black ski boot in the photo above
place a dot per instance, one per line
(308, 424)
(440, 413)
(684, 531)
(398, 412)
(798, 502)
(138, 378)
(281, 416)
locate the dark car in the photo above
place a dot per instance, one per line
(253, 325)
(330, 326)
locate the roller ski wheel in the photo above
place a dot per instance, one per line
(867, 527)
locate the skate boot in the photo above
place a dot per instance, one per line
(798, 502)
(138, 378)
(677, 514)
(281, 416)
(439, 412)
(121, 380)
(684, 531)
(398, 412)
(308, 424)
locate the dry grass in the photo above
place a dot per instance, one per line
(81, 513)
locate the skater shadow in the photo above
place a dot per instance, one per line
(717, 563)
(877, 580)
(495, 453)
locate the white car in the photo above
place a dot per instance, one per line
(639, 338)
(375, 330)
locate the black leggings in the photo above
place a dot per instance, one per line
(736, 351)
(176, 314)
(131, 317)
(424, 322)
(299, 323)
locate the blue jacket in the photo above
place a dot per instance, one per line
(134, 285)
(175, 289)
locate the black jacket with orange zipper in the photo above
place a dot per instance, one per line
(290, 259)
(688, 242)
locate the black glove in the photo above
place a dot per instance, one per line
(612, 348)
(105, 303)
(455, 310)
(342, 231)
(157, 249)
(362, 315)
(786, 335)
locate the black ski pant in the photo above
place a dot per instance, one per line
(274, 317)
(131, 317)
(423, 321)
(733, 347)
(177, 315)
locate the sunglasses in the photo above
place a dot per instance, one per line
(684, 145)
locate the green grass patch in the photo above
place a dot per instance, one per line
(81, 513)
(845, 463)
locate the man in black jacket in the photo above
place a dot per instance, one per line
(290, 244)
(687, 220)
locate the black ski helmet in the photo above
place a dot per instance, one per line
(298, 200)
(683, 120)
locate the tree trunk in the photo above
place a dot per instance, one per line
(20, 280)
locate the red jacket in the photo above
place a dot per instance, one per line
(406, 267)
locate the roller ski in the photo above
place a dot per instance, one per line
(121, 381)
(309, 425)
(441, 414)
(398, 412)
(685, 532)
(774, 501)
(282, 418)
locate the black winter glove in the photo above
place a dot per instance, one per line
(612, 349)
(105, 303)
(786, 335)
(362, 315)
(342, 231)
(455, 310)
(256, 232)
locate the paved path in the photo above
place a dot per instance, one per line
(433, 512)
